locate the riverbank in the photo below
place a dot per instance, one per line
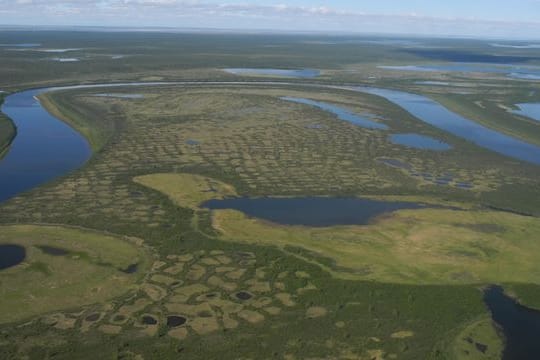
(8, 131)
(86, 123)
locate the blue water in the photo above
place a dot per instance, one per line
(44, 148)
(11, 255)
(300, 73)
(520, 325)
(312, 211)
(514, 71)
(341, 113)
(437, 115)
(419, 142)
(531, 110)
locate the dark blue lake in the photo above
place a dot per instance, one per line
(419, 142)
(11, 255)
(341, 113)
(298, 73)
(531, 110)
(437, 115)
(312, 211)
(520, 325)
(44, 148)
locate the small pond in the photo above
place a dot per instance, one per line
(298, 73)
(149, 320)
(52, 250)
(11, 255)
(341, 113)
(131, 269)
(419, 142)
(175, 321)
(519, 324)
(312, 211)
(243, 295)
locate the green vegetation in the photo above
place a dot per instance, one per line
(89, 122)
(65, 268)
(430, 246)
(404, 287)
(187, 190)
(149, 139)
(478, 341)
(7, 131)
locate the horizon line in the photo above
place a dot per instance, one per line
(252, 31)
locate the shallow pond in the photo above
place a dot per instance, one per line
(437, 115)
(312, 211)
(298, 73)
(520, 325)
(341, 113)
(243, 295)
(149, 320)
(11, 255)
(131, 269)
(53, 251)
(530, 110)
(419, 142)
(175, 321)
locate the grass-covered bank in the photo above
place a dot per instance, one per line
(8, 131)
(89, 122)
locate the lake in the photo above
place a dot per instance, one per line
(312, 211)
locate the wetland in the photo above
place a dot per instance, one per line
(325, 238)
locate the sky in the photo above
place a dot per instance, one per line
(477, 18)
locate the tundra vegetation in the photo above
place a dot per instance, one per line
(123, 261)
